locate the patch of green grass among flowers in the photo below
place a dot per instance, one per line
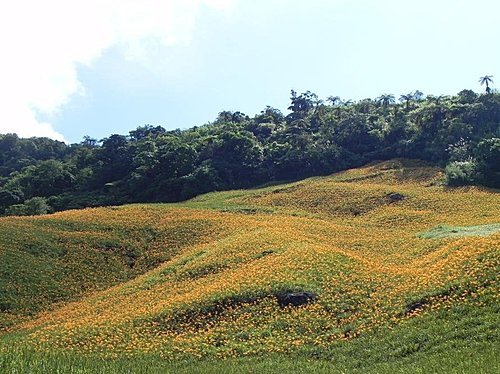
(443, 231)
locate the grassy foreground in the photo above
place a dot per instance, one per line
(405, 273)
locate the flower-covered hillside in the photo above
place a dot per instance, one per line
(224, 261)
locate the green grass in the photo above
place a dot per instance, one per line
(443, 231)
(477, 362)
(47, 260)
(463, 339)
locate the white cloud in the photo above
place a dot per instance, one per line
(43, 42)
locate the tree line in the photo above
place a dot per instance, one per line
(316, 137)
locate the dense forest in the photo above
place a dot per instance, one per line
(151, 164)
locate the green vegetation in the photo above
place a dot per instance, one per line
(46, 261)
(486, 80)
(458, 340)
(456, 232)
(196, 286)
(151, 164)
(31, 207)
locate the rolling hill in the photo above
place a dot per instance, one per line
(402, 274)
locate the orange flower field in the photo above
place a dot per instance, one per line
(201, 278)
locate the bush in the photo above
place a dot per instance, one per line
(31, 207)
(487, 154)
(461, 173)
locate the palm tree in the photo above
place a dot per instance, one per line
(386, 99)
(418, 95)
(486, 80)
(334, 100)
(407, 98)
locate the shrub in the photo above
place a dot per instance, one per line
(488, 162)
(31, 207)
(461, 173)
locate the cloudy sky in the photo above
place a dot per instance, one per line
(97, 67)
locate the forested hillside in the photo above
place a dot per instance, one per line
(317, 137)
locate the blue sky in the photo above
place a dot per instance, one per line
(107, 66)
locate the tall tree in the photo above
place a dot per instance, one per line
(418, 95)
(486, 80)
(407, 99)
(386, 99)
(334, 100)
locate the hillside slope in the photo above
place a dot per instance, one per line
(203, 278)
